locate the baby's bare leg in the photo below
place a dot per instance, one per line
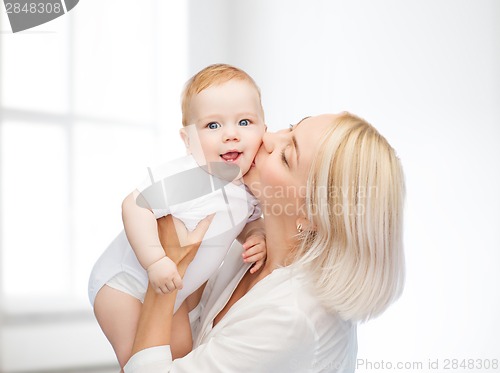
(118, 314)
(181, 342)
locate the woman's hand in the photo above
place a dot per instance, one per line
(181, 245)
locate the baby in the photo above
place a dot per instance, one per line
(223, 125)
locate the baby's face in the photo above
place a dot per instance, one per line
(226, 125)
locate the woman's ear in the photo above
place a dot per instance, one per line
(185, 138)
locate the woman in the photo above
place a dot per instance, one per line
(331, 190)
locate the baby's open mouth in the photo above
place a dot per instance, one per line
(231, 156)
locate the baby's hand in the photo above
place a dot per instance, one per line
(255, 251)
(163, 276)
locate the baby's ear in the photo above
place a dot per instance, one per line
(184, 137)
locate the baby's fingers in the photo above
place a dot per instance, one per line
(253, 250)
(253, 241)
(177, 280)
(251, 256)
(164, 288)
(257, 265)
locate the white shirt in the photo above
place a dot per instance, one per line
(278, 326)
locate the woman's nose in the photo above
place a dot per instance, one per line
(270, 139)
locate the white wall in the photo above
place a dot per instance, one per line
(427, 75)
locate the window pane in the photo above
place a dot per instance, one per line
(34, 71)
(110, 161)
(114, 61)
(34, 210)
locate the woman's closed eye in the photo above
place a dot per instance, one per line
(283, 158)
(283, 152)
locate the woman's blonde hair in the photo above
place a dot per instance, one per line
(210, 76)
(355, 196)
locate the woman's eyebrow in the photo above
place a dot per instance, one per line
(303, 119)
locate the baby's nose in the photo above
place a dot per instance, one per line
(231, 133)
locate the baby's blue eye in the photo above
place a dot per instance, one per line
(244, 122)
(213, 125)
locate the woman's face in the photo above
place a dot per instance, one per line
(282, 165)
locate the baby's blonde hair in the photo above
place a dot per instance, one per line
(355, 197)
(210, 76)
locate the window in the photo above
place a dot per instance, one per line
(87, 102)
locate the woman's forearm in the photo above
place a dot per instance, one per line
(155, 323)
